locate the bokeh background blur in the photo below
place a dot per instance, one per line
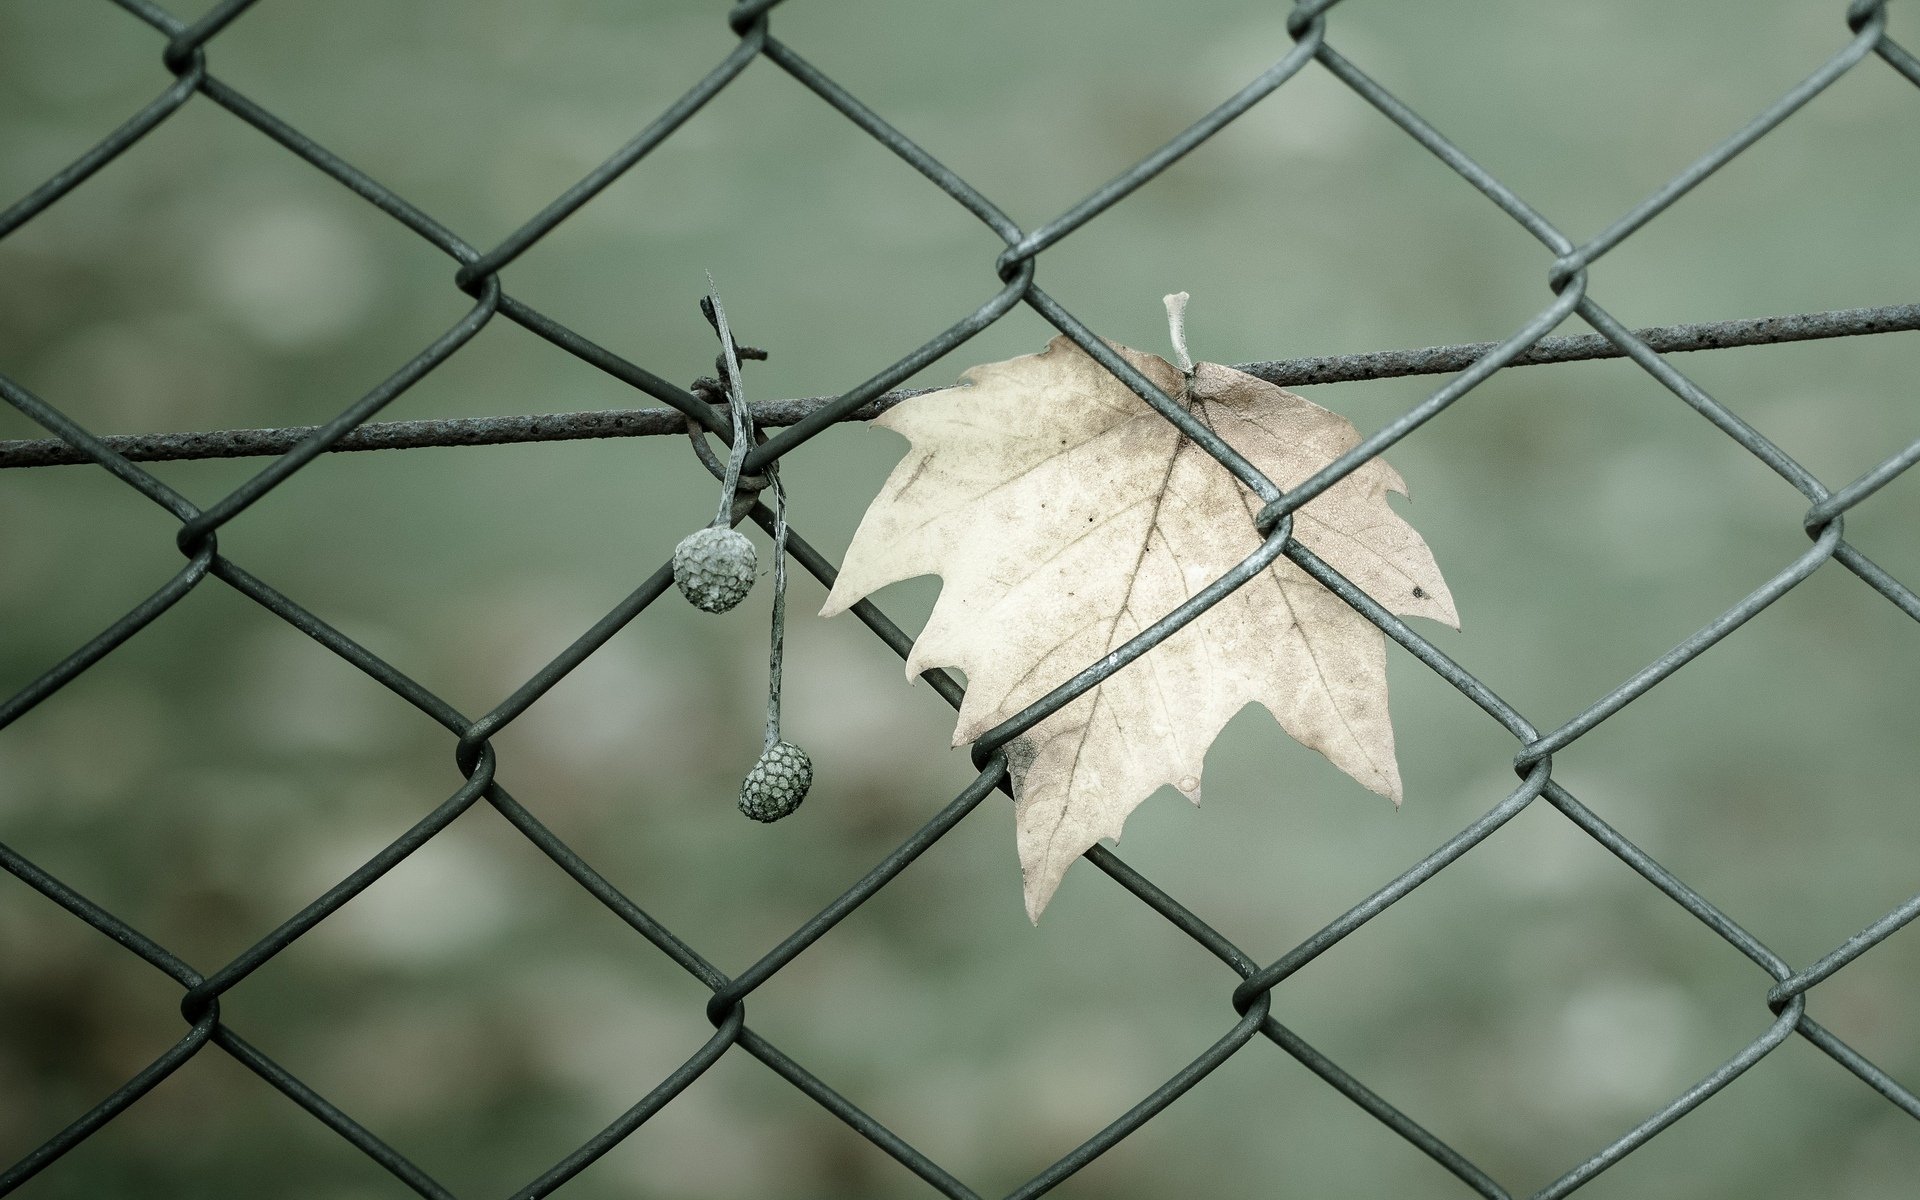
(484, 1015)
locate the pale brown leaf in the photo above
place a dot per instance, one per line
(1064, 516)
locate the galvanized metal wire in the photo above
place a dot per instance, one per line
(1248, 982)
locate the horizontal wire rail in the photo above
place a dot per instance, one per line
(651, 422)
(1253, 998)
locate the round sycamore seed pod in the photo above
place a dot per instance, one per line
(777, 784)
(713, 568)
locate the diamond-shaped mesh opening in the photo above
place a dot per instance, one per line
(1627, 92)
(1544, 974)
(48, 514)
(480, 735)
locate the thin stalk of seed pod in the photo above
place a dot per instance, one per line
(736, 405)
(779, 608)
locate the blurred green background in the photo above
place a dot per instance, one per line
(484, 1015)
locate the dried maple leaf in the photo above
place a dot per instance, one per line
(1064, 516)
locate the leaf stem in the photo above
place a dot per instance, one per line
(1177, 330)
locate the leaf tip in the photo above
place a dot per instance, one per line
(1037, 890)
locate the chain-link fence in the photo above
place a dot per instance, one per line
(186, 54)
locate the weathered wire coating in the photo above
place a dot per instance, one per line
(1291, 372)
(1251, 996)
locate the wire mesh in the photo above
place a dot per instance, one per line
(478, 274)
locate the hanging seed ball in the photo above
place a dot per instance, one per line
(713, 568)
(777, 784)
